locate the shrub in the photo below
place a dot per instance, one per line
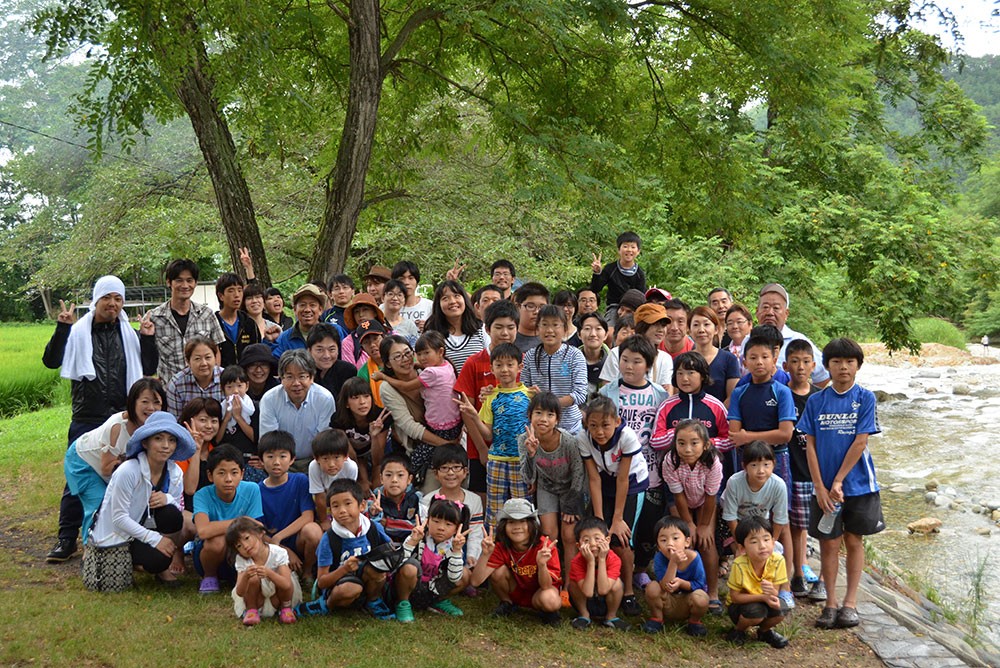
(936, 330)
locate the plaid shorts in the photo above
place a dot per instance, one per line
(503, 481)
(798, 509)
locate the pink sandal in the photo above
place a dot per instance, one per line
(251, 617)
(286, 616)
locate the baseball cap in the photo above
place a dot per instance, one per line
(776, 288)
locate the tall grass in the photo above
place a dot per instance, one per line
(25, 384)
(937, 330)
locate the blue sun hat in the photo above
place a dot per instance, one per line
(157, 423)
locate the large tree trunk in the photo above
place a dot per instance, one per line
(345, 185)
(196, 93)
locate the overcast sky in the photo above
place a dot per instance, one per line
(980, 29)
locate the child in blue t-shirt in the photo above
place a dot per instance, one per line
(343, 575)
(215, 508)
(502, 418)
(680, 591)
(287, 504)
(837, 423)
(764, 410)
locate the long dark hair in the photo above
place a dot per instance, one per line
(708, 455)
(383, 351)
(438, 322)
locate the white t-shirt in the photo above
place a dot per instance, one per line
(421, 311)
(319, 481)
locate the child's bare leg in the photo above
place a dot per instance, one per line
(579, 600)
(799, 540)
(654, 599)
(213, 552)
(614, 598)
(628, 566)
(746, 622)
(769, 623)
(568, 543)
(305, 544)
(502, 583)
(697, 606)
(374, 582)
(254, 597)
(463, 582)
(789, 547)
(405, 581)
(283, 595)
(829, 554)
(550, 525)
(547, 600)
(855, 564)
(710, 559)
(343, 595)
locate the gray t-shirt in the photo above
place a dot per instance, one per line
(770, 501)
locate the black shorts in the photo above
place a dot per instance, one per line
(633, 506)
(752, 611)
(860, 515)
(477, 476)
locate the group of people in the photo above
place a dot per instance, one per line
(390, 451)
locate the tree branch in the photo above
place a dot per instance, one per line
(338, 11)
(392, 194)
(451, 82)
(416, 19)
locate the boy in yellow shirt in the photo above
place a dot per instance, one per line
(754, 581)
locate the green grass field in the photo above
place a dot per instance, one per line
(25, 384)
(51, 620)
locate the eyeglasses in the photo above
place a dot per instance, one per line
(291, 378)
(532, 307)
(736, 323)
(451, 469)
(399, 357)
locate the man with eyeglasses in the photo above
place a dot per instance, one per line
(503, 275)
(297, 406)
(772, 309)
(529, 298)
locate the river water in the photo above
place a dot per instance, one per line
(935, 434)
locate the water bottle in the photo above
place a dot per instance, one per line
(826, 522)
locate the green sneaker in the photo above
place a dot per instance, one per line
(447, 607)
(404, 612)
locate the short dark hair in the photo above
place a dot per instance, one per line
(640, 345)
(503, 264)
(676, 304)
(322, 330)
(502, 309)
(553, 311)
(276, 440)
(714, 290)
(478, 294)
(564, 297)
(400, 458)
(138, 387)
(757, 451)
(596, 316)
(273, 292)
(798, 346)
(344, 486)
(393, 284)
(600, 405)
(224, 453)
(671, 522)
(431, 339)
(254, 290)
(544, 401)
(404, 266)
(505, 350)
(768, 332)
(751, 524)
(233, 373)
(759, 342)
(449, 454)
(625, 322)
(589, 523)
(587, 288)
(843, 348)
(530, 289)
(692, 361)
(340, 279)
(227, 280)
(197, 405)
(626, 237)
(330, 442)
(177, 267)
